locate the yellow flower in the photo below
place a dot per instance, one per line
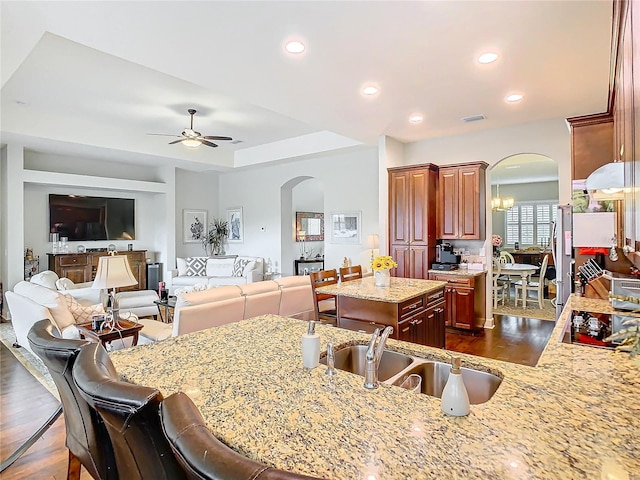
(383, 262)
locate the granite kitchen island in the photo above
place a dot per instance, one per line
(415, 308)
(575, 415)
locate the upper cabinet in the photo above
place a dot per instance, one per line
(461, 206)
(412, 229)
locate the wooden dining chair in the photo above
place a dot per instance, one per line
(534, 286)
(325, 304)
(350, 273)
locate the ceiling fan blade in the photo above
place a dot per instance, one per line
(176, 141)
(208, 144)
(164, 134)
(214, 137)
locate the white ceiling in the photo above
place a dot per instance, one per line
(94, 78)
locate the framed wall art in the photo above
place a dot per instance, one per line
(194, 225)
(236, 225)
(346, 227)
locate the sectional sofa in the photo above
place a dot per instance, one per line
(214, 271)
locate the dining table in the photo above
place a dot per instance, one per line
(525, 270)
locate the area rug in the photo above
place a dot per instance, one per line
(548, 312)
(32, 363)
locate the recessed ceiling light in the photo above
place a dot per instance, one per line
(370, 90)
(516, 97)
(487, 57)
(294, 46)
(416, 118)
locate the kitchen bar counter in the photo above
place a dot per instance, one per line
(461, 271)
(574, 416)
(401, 289)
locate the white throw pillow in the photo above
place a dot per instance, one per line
(65, 284)
(181, 263)
(46, 279)
(220, 267)
(251, 265)
(82, 314)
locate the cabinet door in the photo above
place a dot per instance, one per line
(447, 205)
(399, 210)
(405, 330)
(463, 301)
(418, 262)
(435, 327)
(76, 273)
(400, 253)
(450, 306)
(422, 201)
(419, 326)
(471, 212)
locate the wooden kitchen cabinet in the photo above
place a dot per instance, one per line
(82, 267)
(464, 300)
(412, 229)
(461, 212)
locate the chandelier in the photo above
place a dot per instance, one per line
(501, 204)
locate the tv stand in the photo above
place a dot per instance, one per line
(81, 267)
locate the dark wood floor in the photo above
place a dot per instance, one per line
(25, 404)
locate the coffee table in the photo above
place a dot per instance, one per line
(168, 306)
(123, 329)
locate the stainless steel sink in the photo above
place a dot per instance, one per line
(396, 367)
(352, 359)
(480, 385)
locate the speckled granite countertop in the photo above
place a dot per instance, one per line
(575, 415)
(401, 289)
(465, 273)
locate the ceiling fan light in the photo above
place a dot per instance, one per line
(191, 142)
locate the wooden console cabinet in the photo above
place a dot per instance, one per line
(464, 300)
(461, 202)
(82, 267)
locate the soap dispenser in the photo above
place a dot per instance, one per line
(311, 347)
(455, 400)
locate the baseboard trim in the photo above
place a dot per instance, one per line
(489, 323)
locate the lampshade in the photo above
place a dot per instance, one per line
(501, 203)
(608, 178)
(192, 142)
(113, 272)
(373, 241)
(301, 235)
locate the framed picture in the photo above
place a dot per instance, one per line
(345, 228)
(236, 226)
(309, 227)
(194, 225)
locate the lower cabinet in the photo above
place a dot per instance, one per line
(464, 299)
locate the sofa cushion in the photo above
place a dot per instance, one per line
(82, 313)
(208, 296)
(196, 266)
(238, 267)
(181, 263)
(65, 284)
(52, 299)
(220, 267)
(46, 279)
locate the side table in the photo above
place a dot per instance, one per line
(123, 329)
(168, 306)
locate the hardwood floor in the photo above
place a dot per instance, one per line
(25, 404)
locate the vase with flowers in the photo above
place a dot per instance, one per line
(381, 266)
(496, 241)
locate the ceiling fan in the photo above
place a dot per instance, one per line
(192, 139)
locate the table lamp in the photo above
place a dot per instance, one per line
(113, 272)
(373, 243)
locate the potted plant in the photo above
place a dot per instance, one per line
(215, 237)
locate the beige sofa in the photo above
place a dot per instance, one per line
(213, 271)
(288, 296)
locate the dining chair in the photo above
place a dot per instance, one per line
(325, 303)
(131, 415)
(533, 286)
(506, 257)
(87, 438)
(350, 273)
(500, 287)
(201, 454)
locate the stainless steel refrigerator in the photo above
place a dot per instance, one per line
(563, 256)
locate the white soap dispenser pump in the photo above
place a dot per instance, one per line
(455, 400)
(311, 347)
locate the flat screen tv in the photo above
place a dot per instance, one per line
(81, 218)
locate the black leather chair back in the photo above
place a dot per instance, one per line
(201, 454)
(131, 415)
(87, 437)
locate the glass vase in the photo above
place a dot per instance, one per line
(383, 278)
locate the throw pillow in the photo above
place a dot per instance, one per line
(181, 264)
(80, 313)
(196, 266)
(251, 265)
(238, 267)
(65, 284)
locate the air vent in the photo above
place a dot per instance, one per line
(474, 118)
(235, 142)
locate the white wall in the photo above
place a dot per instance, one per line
(349, 181)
